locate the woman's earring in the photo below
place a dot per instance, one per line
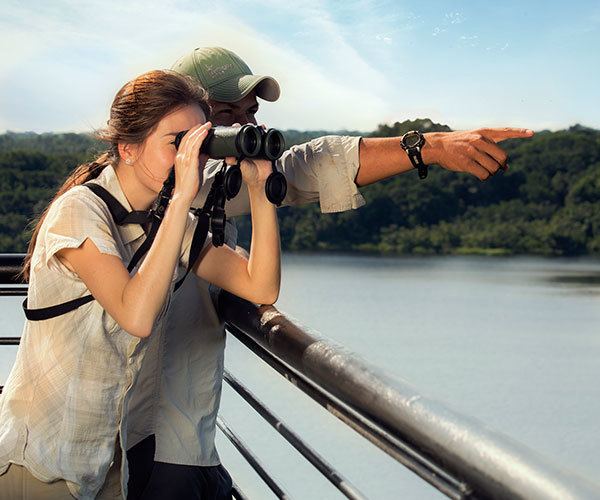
(129, 161)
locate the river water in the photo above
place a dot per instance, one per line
(513, 342)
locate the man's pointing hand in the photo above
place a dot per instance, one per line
(472, 151)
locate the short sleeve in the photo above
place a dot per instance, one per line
(186, 244)
(323, 169)
(73, 218)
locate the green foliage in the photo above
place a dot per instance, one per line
(32, 167)
(424, 125)
(548, 203)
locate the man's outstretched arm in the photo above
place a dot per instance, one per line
(474, 151)
(322, 170)
(330, 169)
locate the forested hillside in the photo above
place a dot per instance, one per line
(548, 203)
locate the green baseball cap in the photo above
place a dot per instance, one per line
(225, 76)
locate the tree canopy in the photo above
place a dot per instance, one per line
(546, 204)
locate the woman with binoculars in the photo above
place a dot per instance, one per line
(63, 418)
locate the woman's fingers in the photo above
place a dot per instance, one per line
(189, 149)
(188, 163)
(255, 171)
(198, 139)
(192, 135)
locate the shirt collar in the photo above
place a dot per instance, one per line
(108, 180)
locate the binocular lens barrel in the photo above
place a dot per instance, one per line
(273, 144)
(249, 141)
(221, 142)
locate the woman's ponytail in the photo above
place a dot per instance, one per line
(83, 173)
(136, 110)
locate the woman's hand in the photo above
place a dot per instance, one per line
(255, 172)
(188, 171)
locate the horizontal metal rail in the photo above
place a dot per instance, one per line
(390, 444)
(10, 340)
(296, 441)
(13, 291)
(492, 464)
(237, 493)
(11, 265)
(381, 438)
(251, 459)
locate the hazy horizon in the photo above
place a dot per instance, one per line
(340, 131)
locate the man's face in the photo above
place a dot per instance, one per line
(228, 113)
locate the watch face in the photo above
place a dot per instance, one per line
(412, 139)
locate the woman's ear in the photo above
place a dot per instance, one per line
(127, 152)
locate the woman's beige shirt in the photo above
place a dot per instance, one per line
(66, 399)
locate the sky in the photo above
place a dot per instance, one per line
(341, 64)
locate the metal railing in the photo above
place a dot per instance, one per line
(458, 455)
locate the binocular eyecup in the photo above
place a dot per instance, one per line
(273, 144)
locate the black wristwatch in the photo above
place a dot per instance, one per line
(412, 142)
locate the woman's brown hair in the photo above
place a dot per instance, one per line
(135, 112)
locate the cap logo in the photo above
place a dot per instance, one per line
(216, 71)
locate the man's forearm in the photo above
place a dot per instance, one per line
(471, 151)
(380, 158)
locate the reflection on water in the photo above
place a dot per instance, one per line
(579, 283)
(586, 279)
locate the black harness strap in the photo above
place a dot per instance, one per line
(200, 234)
(119, 213)
(57, 310)
(145, 246)
(121, 216)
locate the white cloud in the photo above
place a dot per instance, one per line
(71, 65)
(455, 18)
(384, 38)
(340, 65)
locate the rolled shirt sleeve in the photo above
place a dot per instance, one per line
(73, 218)
(321, 170)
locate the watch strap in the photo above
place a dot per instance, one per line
(414, 154)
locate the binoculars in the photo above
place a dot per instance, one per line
(248, 141)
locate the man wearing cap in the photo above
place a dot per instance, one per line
(172, 416)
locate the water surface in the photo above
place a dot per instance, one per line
(514, 342)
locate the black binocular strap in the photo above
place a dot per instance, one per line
(200, 234)
(121, 217)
